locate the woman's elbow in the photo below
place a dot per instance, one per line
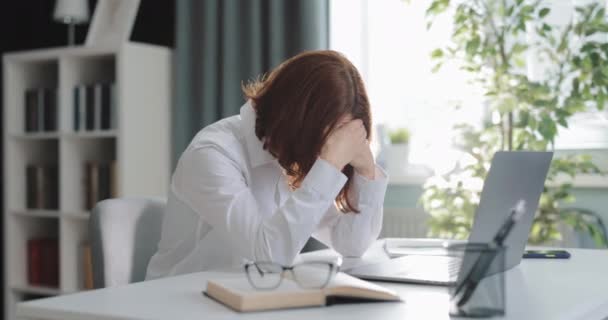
(354, 248)
(271, 246)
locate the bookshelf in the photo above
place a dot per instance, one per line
(137, 144)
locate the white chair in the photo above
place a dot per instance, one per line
(124, 234)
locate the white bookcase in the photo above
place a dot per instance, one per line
(139, 144)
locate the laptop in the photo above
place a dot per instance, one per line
(513, 176)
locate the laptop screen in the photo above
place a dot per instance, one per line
(513, 176)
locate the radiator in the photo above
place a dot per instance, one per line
(412, 223)
(404, 223)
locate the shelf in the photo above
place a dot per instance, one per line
(41, 213)
(93, 134)
(37, 135)
(77, 215)
(46, 291)
(142, 78)
(57, 135)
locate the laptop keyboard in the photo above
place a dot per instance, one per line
(440, 268)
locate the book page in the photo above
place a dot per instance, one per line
(343, 284)
(243, 287)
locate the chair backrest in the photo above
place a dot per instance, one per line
(124, 234)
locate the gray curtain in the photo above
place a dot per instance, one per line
(222, 43)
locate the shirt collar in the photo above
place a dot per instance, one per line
(257, 155)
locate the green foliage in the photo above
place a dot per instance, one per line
(401, 135)
(489, 39)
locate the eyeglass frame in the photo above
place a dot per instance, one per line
(334, 268)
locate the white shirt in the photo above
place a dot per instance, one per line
(229, 201)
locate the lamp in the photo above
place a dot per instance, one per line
(71, 12)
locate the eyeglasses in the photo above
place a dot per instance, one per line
(308, 275)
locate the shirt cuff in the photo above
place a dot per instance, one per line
(325, 179)
(370, 192)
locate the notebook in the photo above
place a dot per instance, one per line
(237, 294)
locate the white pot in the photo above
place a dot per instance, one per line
(397, 159)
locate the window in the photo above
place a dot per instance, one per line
(389, 43)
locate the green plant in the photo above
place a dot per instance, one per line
(401, 135)
(489, 39)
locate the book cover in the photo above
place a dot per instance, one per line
(82, 106)
(113, 179)
(238, 294)
(113, 106)
(90, 107)
(41, 110)
(50, 109)
(97, 106)
(106, 106)
(87, 266)
(104, 182)
(76, 107)
(39, 185)
(43, 262)
(30, 187)
(42, 187)
(34, 262)
(91, 184)
(31, 110)
(50, 189)
(50, 262)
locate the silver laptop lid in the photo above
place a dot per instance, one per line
(513, 176)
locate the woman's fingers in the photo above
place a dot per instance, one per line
(344, 143)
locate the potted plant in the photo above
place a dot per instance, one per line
(490, 38)
(397, 152)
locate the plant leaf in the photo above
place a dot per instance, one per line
(543, 12)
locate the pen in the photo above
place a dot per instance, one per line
(481, 265)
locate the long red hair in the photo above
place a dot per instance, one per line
(299, 103)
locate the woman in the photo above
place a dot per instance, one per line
(296, 162)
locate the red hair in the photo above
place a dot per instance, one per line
(299, 103)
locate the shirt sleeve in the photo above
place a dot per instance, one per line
(350, 234)
(213, 185)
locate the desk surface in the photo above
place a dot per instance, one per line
(536, 289)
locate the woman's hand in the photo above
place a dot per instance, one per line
(344, 143)
(363, 162)
(348, 144)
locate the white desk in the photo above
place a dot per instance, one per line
(537, 289)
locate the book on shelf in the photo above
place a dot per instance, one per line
(107, 106)
(78, 96)
(49, 105)
(238, 294)
(91, 184)
(90, 107)
(43, 262)
(94, 107)
(97, 106)
(87, 266)
(104, 181)
(100, 182)
(40, 111)
(42, 184)
(31, 110)
(113, 179)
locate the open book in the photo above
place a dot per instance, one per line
(239, 295)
